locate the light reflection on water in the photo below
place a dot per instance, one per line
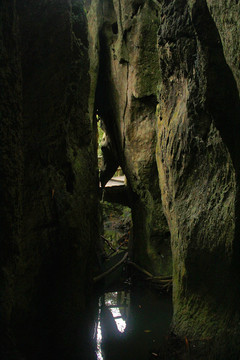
(121, 324)
(117, 303)
(99, 340)
(131, 324)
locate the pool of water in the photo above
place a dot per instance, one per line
(131, 324)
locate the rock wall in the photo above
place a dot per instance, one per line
(164, 77)
(125, 73)
(168, 92)
(197, 155)
(49, 184)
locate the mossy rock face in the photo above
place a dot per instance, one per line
(126, 98)
(197, 156)
(49, 151)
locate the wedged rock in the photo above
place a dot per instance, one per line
(125, 72)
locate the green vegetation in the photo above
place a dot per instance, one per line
(117, 222)
(101, 134)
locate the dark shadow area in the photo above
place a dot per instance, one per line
(106, 98)
(222, 100)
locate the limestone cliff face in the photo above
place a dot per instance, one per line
(49, 183)
(197, 155)
(125, 72)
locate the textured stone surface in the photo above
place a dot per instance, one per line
(197, 152)
(164, 76)
(190, 83)
(49, 189)
(126, 97)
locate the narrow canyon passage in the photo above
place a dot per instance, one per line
(119, 179)
(134, 308)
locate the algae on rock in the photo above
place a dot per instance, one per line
(126, 98)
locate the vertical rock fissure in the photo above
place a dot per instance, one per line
(125, 108)
(120, 17)
(126, 100)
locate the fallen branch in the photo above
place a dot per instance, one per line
(166, 287)
(121, 244)
(141, 269)
(101, 276)
(162, 277)
(108, 242)
(161, 280)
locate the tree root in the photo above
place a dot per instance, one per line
(141, 269)
(163, 282)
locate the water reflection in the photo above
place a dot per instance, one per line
(99, 339)
(131, 325)
(118, 303)
(112, 306)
